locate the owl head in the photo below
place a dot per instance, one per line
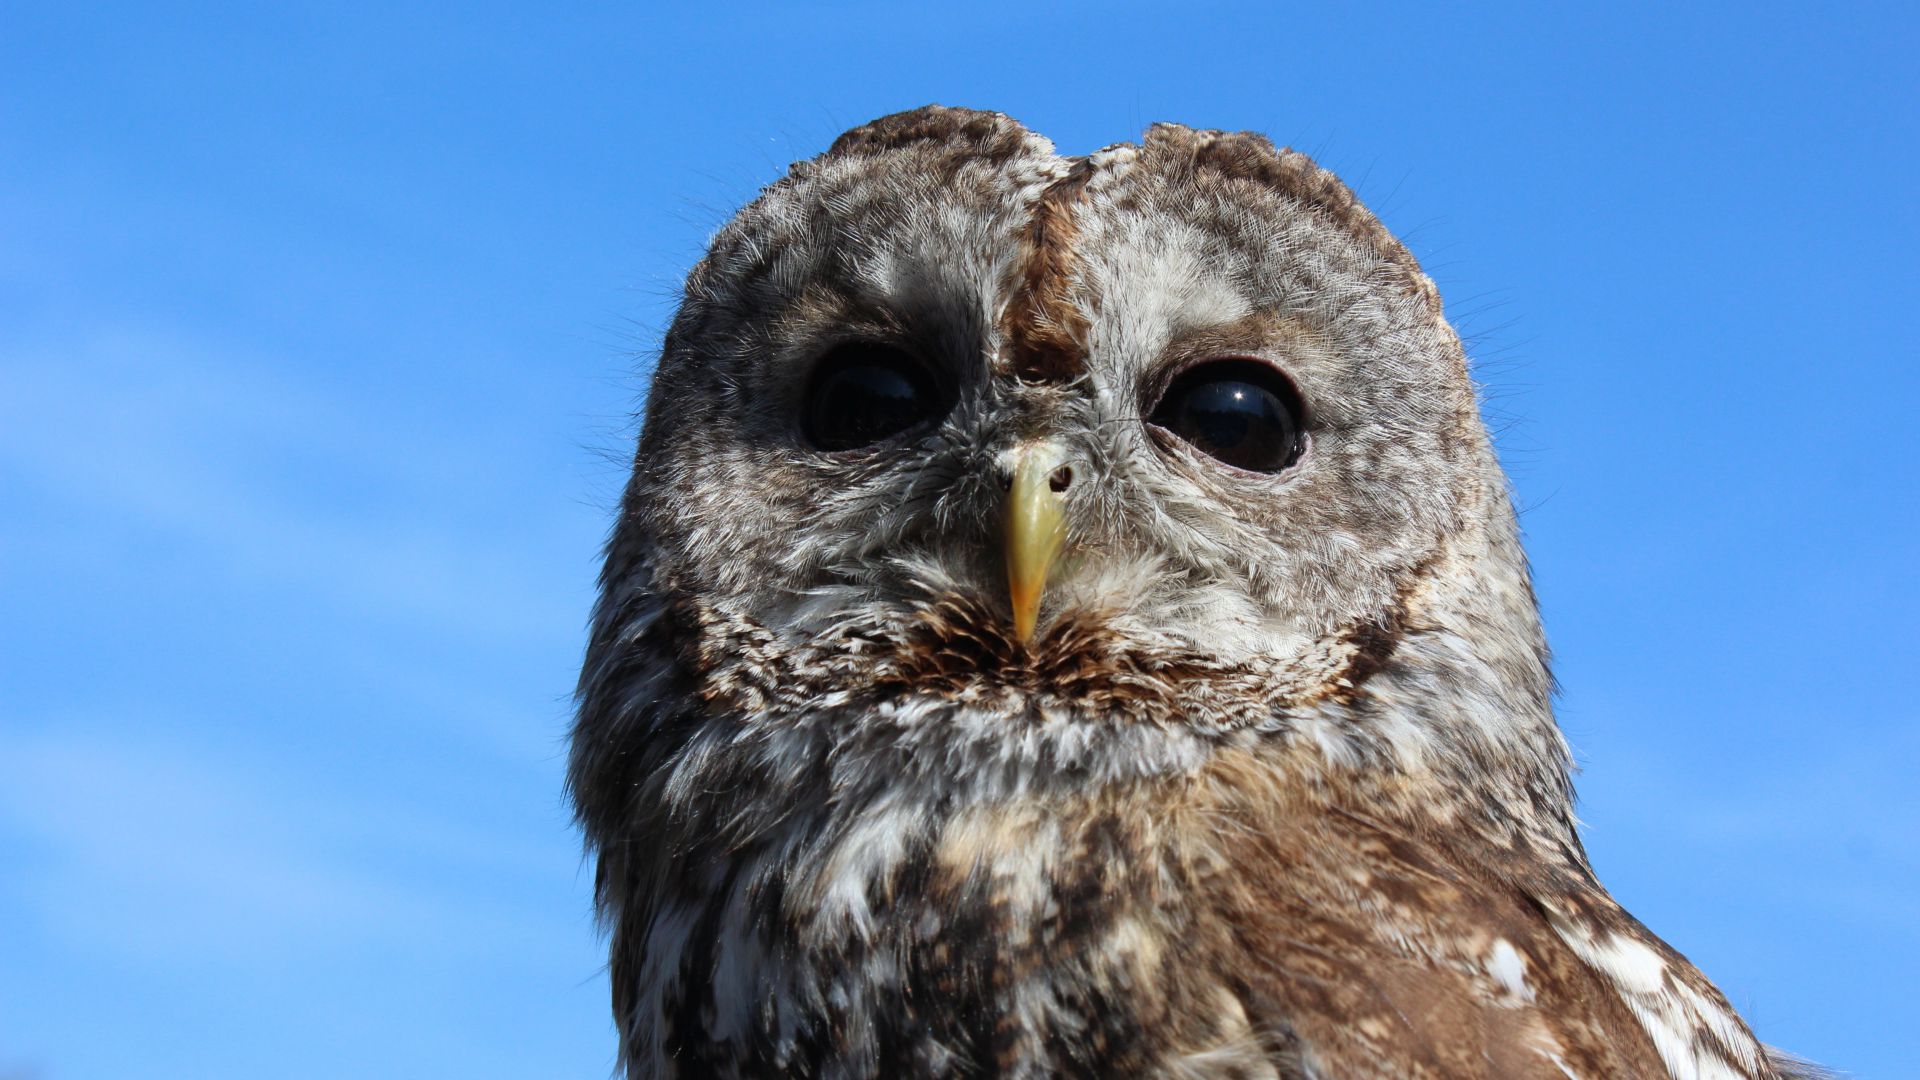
(1062, 469)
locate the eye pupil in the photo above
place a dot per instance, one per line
(1223, 414)
(1240, 412)
(864, 393)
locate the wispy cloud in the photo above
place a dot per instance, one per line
(188, 892)
(143, 849)
(1841, 814)
(378, 508)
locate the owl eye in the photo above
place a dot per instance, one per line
(863, 392)
(1240, 412)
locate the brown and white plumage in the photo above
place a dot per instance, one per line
(1272, 787)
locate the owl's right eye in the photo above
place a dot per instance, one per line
(863, 393)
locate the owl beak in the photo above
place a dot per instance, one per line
(1036, 526)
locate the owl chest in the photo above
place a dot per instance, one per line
(1012, 941)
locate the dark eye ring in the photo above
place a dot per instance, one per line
(1238, 411)
(865, 392)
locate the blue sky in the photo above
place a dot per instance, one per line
(321, 328)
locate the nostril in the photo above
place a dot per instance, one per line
(1005, 476)
(1061, 478)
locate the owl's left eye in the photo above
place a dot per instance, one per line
(864, 392)
(1239, 412)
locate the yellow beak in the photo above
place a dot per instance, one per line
(1036, 528)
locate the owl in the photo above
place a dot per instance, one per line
(1067, 619)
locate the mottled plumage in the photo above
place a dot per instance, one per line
(1273, 789)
